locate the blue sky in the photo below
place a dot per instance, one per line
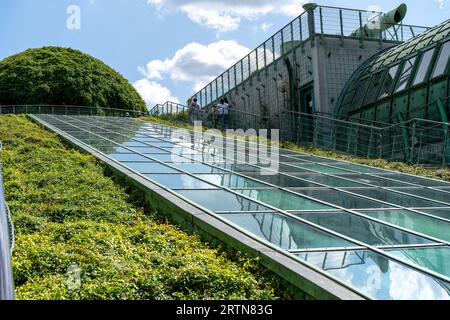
(168, 48)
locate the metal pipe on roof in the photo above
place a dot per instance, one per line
(382, 22)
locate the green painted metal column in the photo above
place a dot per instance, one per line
(445, 146)
(405, 137)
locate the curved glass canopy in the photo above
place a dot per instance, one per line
(402, 82)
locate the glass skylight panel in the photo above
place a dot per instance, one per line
(363, 229)
(357, 268)
(285, 232)
(221, 200)
(179, 181)
(269, 204)
(413, 221)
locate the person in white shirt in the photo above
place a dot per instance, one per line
(194, 110)
(223, 111)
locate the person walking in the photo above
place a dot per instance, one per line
(223, 112)
(194, 110)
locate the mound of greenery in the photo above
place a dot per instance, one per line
(62, 76)
(68, 213)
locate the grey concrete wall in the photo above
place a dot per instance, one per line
(334, 62)
(328, 64)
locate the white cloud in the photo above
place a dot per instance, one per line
(196, 63)
(374, 8)
(153, 92)
(226, 15)
(265, 26)
(441, 3)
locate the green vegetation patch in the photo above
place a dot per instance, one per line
(70, 216)
(63, 76)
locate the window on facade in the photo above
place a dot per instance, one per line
(442, 61)
(374, 88)
(423, 67)
(405, 75)
(389, 81)
(360, 94)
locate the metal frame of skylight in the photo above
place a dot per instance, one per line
(324, 186)
(319, 270)
(344, 189)
(282, 212)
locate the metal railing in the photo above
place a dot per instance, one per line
(417, 141)
(329, 21)
(68, 110)
(6, 246)
(168, 108)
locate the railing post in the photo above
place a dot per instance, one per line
(315, 132)
(413, 138)
(362, 30)
(370, 142)
(445, 147)
(321, 23)
(309, 8)
(393, 146)
(348, 135)
(380, 144)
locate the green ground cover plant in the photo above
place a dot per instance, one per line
(68, 213)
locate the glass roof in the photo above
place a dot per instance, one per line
(364, 227)
(421, 41)
(394, 71)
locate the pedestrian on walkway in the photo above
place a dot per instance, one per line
(194, 111)
(223, 111)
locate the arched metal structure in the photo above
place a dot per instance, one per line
(408, 81)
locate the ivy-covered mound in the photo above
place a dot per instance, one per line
(82, 235)
(62, 76)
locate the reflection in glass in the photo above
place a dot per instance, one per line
(149, 167)
(434, 258)
(285, 232)
(179, 181)
(221, 200)
(414, 221)
(231, 181)
(389, 82)
(415, 180)
(374, 88)
(284, 200)
(362, 229)
(342, 200)
(442, 61)
(442, 212)
(422, 71)
(377, 276)
(427, 193)
(397, 198)
(406, 72)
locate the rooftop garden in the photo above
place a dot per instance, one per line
(71, 215)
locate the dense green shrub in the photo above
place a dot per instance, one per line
(182, 117)
(66, 212)
(62, 76)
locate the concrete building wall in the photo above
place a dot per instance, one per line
(334, 62)
(328, 64)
